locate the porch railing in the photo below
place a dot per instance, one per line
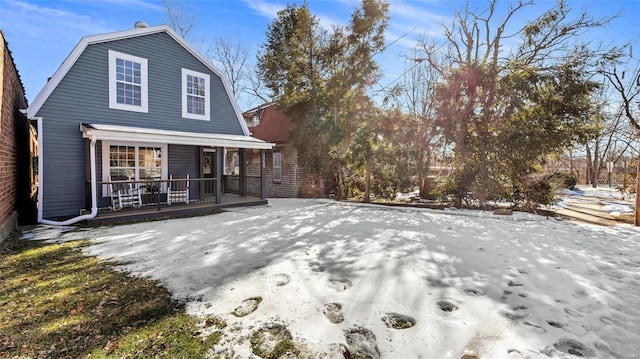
(152, 192)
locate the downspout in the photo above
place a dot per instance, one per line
(94, 193)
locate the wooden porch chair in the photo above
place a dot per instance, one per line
(177, 193)
(124, 195)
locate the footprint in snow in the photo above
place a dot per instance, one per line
(247, 307)
(538, 329)
(267, 341)
(474, 292)
(556, 324)
(398, 321)
(513, 315)
(317, 267)
(340, 284)
(445, 306)
(333, 312)
(573, 347)
(279, 279)
(361, 343)
(516, 354)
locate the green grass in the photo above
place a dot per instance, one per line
(57, 303)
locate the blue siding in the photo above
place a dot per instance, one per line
(185, 160)
(83, 96)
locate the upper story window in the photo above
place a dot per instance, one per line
(128, 82)
(195, 95)
(255, 120)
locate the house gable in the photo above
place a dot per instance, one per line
(274, 126)
(81, 86)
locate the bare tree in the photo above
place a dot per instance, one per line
(231, 56)
(255, 88)
(628, 89)
(181, 19)
(417, 95)
(486, 91)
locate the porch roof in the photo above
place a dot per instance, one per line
(138, 134)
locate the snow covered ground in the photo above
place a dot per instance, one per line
(614, 202)
(341, 275)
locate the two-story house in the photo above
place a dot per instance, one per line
(132, 118)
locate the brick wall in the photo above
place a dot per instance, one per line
(295, 181)
(13, 99)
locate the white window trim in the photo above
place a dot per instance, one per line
(106, 160)
(279, 154)
(207, 96)
(144, 83)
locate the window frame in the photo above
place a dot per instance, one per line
(207, 95)
(279, 155)
(106, 160)
(113, 82)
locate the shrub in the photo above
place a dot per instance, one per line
(563, 180)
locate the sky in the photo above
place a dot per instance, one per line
(42, 33)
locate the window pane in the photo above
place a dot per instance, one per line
(122, 174)
(201, 87)
(195, 105)
(150, 173)
(121, 167)
(201, 106)
(149, 157)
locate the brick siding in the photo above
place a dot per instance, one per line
(295, 181)
(13, 99)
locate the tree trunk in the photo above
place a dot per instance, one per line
(420, 180)
(637, 221)
(587, 172)
(341, 192)
(367, 181)
(572, 168)
(596, 165)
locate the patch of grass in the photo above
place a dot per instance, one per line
(273, 341)
(57, 303)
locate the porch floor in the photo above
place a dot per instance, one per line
(175, 210)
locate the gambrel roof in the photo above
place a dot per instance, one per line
(68, 63)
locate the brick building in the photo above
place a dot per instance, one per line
(284, 175)
(15, 139)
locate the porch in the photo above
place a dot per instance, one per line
(151, 173)
(132, 201)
